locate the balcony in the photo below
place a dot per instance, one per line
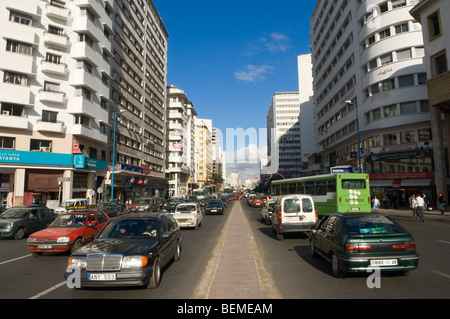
(52, 97)
(16, 122)
(57, 127)
(54, 68)
(89, 133)
(80, 105)
(21, 63)
(52, 40)
(439, 89)
(57, 12)
(81, 77)
(13, 93)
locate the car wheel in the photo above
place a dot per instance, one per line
(312, 249)
(156, 275)
(76, 245)
(335, 267)
(20, 233)
(177, 255)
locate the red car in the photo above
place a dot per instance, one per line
(257, 202)
(68, 232)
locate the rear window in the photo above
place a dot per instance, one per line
(291, 205)
(353, 184)
(371, 224)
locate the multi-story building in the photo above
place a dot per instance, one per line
(180, 137)
(435, 29)
(67, 68)
(283, 130)
(203, 154)
(233, 180)
(369, 86)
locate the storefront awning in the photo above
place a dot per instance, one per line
(381, 183)
(418, 182)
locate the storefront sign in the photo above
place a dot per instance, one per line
(131, 168)
(40, 158)
(400, 176)
(81, 161)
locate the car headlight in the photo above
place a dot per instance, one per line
(134, 262)
(31, 240)
(77, 262)
(63, 240)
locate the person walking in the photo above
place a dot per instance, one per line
(413, 205)
(420, 205)
(375, 204)
(441, 203)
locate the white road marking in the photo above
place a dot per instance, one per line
(11, 260)
(442, 274)
(443, 241)
(49, 290)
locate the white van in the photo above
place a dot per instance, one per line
(71, 203)
(293, 214)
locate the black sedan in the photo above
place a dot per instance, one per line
(130, 250)
(358, 242)
(214, 206)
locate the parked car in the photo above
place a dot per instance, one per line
(354, 242)
(130, 250)
(19, 221)
(73, 202)
(111, 208)
(257, 202)
(188, 215)
(267, 210)
(214, 206)
(293, 214)
(68, 232)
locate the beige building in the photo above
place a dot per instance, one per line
(436, 34)
(203, 151)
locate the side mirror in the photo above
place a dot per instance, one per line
(92, 224)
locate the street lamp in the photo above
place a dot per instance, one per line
(357, 132)
(114, 154)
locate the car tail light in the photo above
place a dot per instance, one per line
(279, 216)
(408, 246)
(357, 247)
(315, 211)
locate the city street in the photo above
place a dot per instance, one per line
(287, 264)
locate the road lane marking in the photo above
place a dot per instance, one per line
(11, 260)
(49, 290)
(442, 274)
(443, 241)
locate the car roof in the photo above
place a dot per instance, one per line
(151, 215)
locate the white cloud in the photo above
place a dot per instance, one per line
(253, 73)
(273, 42)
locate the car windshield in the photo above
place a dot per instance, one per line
(67, 204)
(215, 202)
(69, 220)
(371, 224)
(15, 213)
(130, 228)
(185, 208)
(144, 202)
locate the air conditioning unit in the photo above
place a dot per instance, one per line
(44, 149)
(5, 112)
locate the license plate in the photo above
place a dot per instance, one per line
(384, 262)
(292, 218)
(355, 208)
(100, 277)
(45, 247)
(214, 210)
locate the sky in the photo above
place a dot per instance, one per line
(230, 57)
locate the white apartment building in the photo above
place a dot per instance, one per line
(283, 126)
(67, 67)
(180, 141)
(233, 180)
(369, 82)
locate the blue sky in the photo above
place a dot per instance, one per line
(230, 56)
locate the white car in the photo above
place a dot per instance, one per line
(188, 215)
(267, 210)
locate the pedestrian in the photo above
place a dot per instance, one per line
(413, 205)
(375, 204)
(420, 205)
(386, 201)
(441, 202)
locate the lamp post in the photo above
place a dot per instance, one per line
(357, 132)
(114, 154)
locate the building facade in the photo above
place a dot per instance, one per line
(203, 152)
(436, 35)
(67, 68)
(370, 91)
(180, 137)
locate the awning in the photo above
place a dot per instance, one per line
(381, 183)
(417, 182)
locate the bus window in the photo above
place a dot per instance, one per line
(309, 188)
(353, 184)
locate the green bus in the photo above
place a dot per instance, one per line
(339, 192)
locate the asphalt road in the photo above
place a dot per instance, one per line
(287, 264)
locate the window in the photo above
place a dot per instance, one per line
(48, 116)
(390, 110)
(404, 54)
(83, 37)
(18, 47)
(424, 135)
(406, 80)
(439, 64)
(52, 58)
(401, 28)
(51, 87)
(398, 3)
(12, 109)
(388, 84)
(434, 25)
(422, 77)
(7, 142)
(84, 92)
(390, 139)
(19, 18)
(55, 30)
(15, 78)
(424, 106)
(408, 108)
(40, 145)
(385, 33)
(81, 119)
(387, 58)
(82, 64)
(407, 137)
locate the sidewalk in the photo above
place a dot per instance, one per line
(237, 275)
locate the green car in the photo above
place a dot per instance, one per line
(359, 242)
